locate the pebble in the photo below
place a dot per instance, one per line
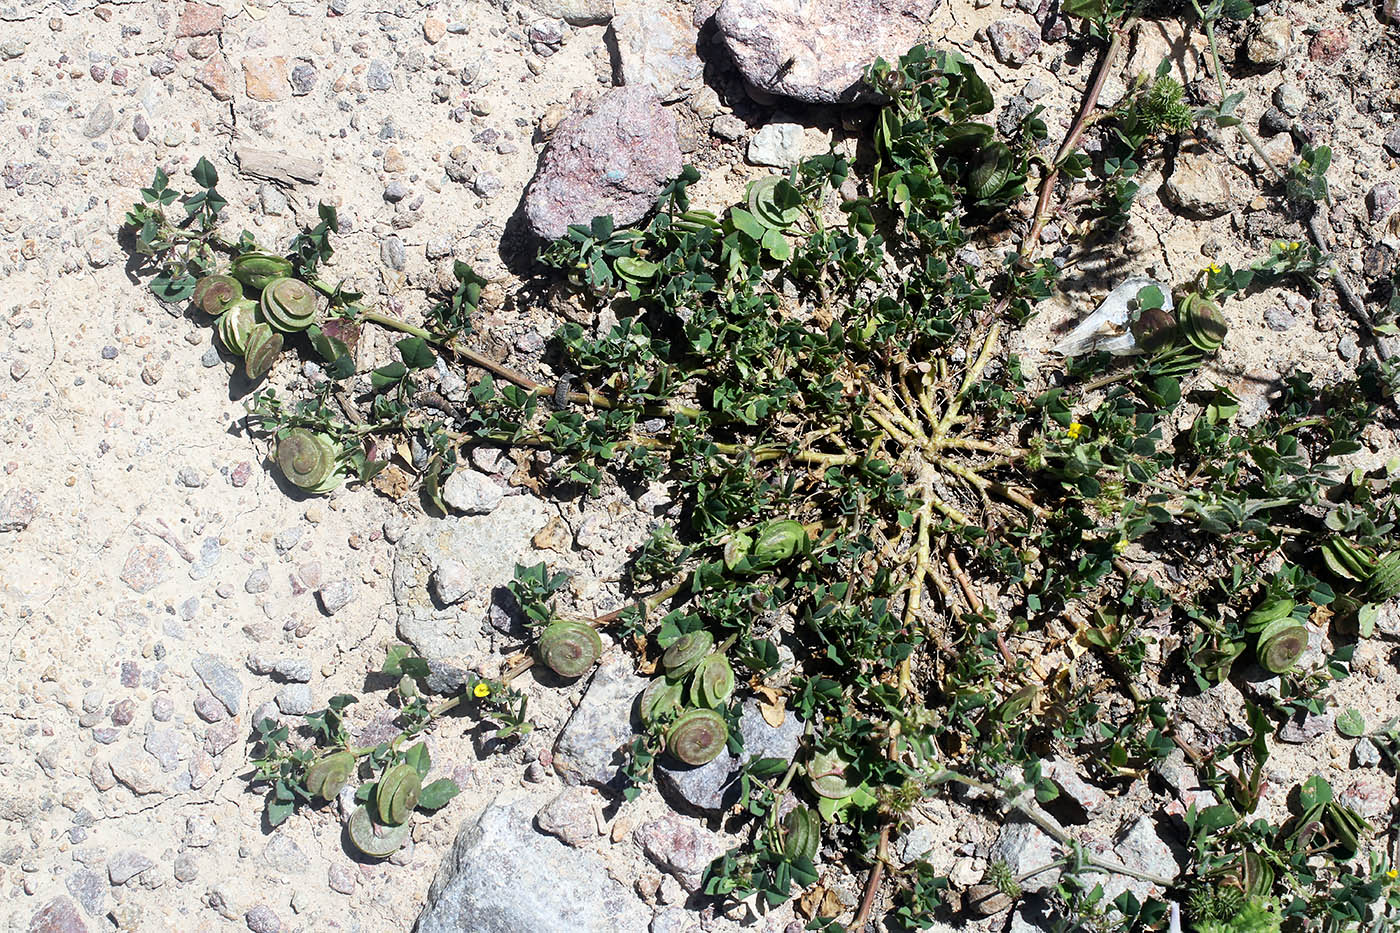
(209, 553)
(303, 79)
(1348, 349)
(570, 816)
(433, 30)
(190, 478)
(123, 713)
(335, 596)
(186, 868)
(450, 583)
(1269, 42)
(378, 76)
(1278, 319)
(395, 191)
(1366, 754)
(1381, 200)
(472, 493)
(295, 700)
(146, 567)
(59, 915)
(262, 919)
(778, 144)
(210, 359)
(208, 708)
(393, 253)
(17, 509)
(1012, 43)
(1290, 99)
(99, 122)
(1198, 186)
(259, 581)
(126, 865)
(729, 127)
(140, 128)
(221, 679)
(1392, 141)
(88, 889)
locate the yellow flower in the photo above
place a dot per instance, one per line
(481, 690)
(1213, 269)
(1075, 429)
(1392, 874)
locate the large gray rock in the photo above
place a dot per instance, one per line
(488, 547)
(576, 12)
(656, 46)
(707, 789)
(818, 50)
(763, 740)
(611, 157)
(591, 744)
(503, 877)
(1023, 846)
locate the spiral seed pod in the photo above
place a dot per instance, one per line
(570, 648)
(827, 774)
(309, 460)
(329, 773)
(1201, 322)
(763, 203)
(375, 839)
(255, 269)
(634, 270)
(1268, 612)
(660, 698)
(802, 830)
(260, 350)
(289, 305)
(686, 653)
(1281, 643)
(1385, 578)
(697, 737)
(713, 683)
(235, 325)
(776, 541)
(215, 294)
(397, 794)
(1155, 329)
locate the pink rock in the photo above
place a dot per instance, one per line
(199, 19)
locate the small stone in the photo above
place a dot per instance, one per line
(59, 915)
(239, 475)
(1304, 727)
(570, 816)
(486, 185)
(777, 144)
(100, 120)
(335, 596)
(162, 708)
(262, 919)
(450, 583)
(1278, 319)
(433, 30)
(1290, 99)
(19, 369)
(88, 889)
(378, 76)
(1012, 43)
(209, 709)
(190, 478)
(393, 253)
(147, 566)
(1022, 845)
(393, 160)
(295, 700)
(303, 79)
(1198, 186)
(1381, 200)
(186, 867)
(1366, 754)
(1268, 44)
(221, 679)
(214, 76)
(265, 79)
(210, 359)
(680, 846)
(199, 19)
(472, 493)
(342, 878)
(1328, 45)
(139, 770)
(1348, 349)
(707, 789)
(126, 865)
(123, 713)
(729, 127)
(18, 508)
(1392, 142)
(395, 191)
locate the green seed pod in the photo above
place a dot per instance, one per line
(763, 197)
(570, 648)
(1385, 577)
(215, 294)
(827, 774)
(289, 305)
(1201, 323)
(776, 541)
(260, 350)
(713, 683)
(686, 653)
(1268, 612)
(634, 270)
(1281, 643)
(329, 773)
(309, 460)
(397, 794)
(802, 829)
(235, 325)
(660, 698)
(1346, 560)
(375, 839)
(1155, 329)
(255, 269)
(697, 737)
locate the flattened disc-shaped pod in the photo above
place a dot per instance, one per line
(375, 839)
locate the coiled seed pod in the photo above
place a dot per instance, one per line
(1201, 322)
(686, 653)
(713, 683)
(1155, 329)
(255, 269)
(289, 305)
(570, 648)
(215, 294)
(802, 829)
(329, 773)
(235, 325)
(697, 737)
(309, 460)
(375, 839)
(260, 350)
(397, 794)
(1281, 643)
(660, 698)
(1385, 578)
(777, 541)
(827, 774)
(1268, 612)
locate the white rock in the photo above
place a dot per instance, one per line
(471, 493)
(451, 581)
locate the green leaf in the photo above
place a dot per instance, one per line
(415, 353)
(1315, 792)
(1351, 723)
(204, 174)
(418, 758)
(435, 796)
(747, 223)
(1092, 10)
(388, 375)
(278, 810)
